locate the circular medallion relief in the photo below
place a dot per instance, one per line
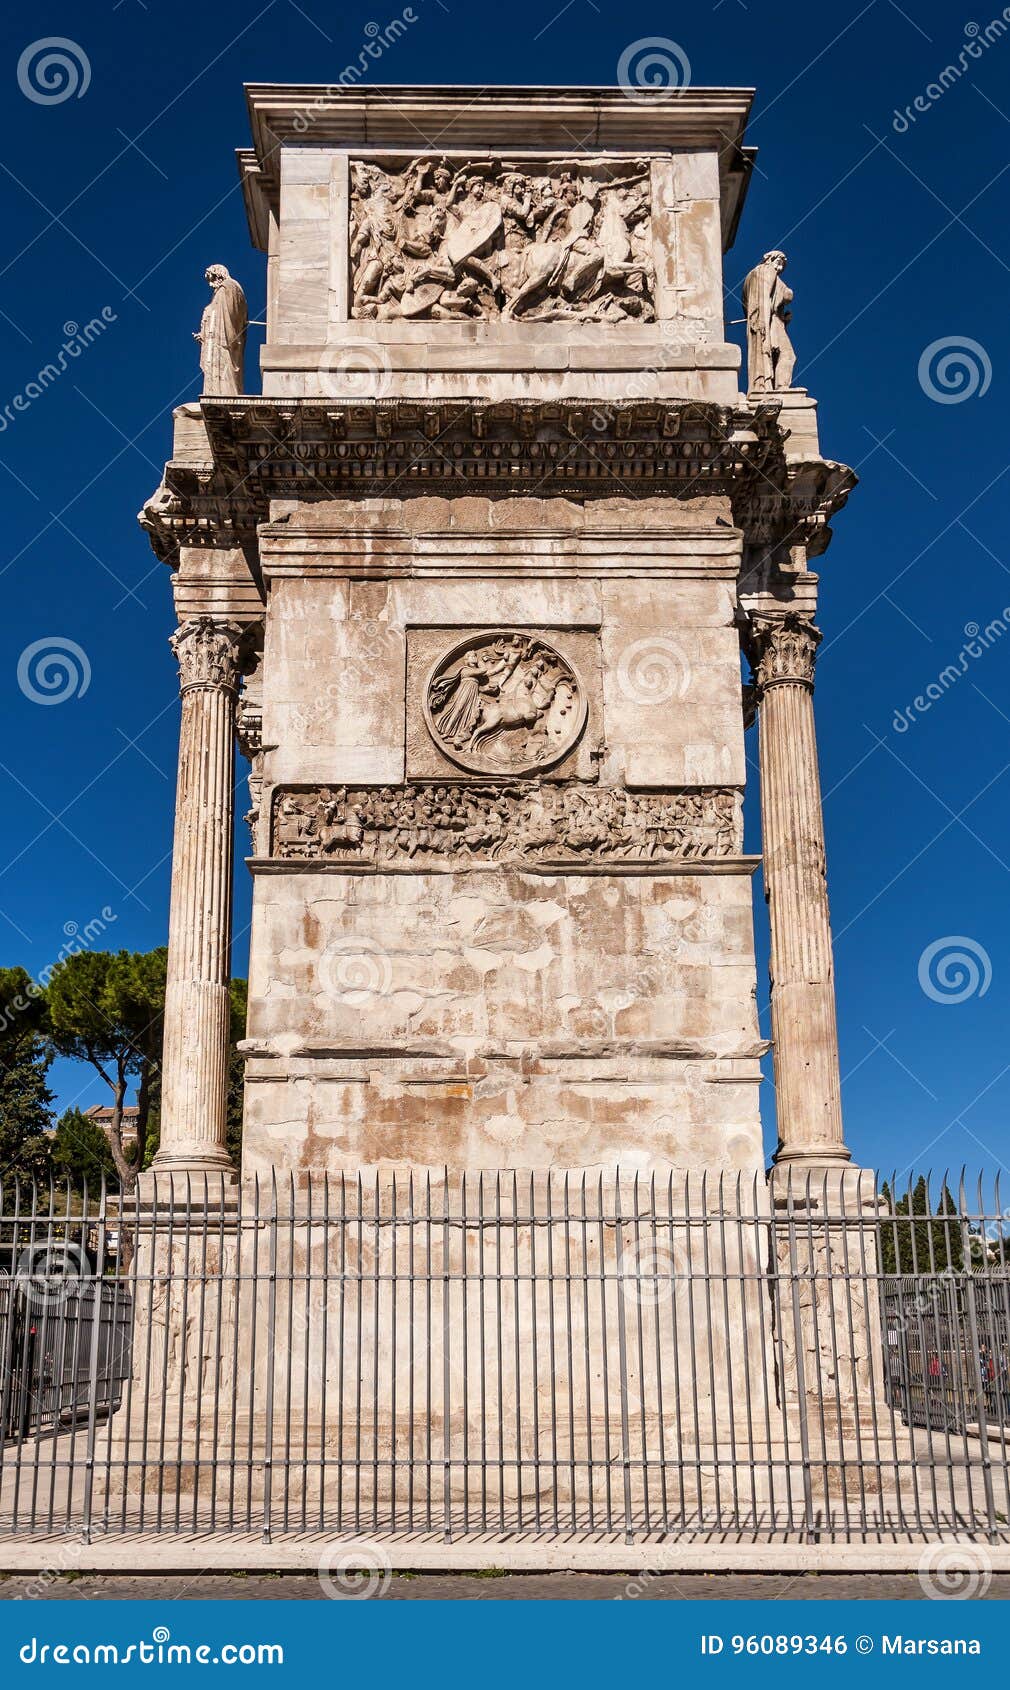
(504, 703)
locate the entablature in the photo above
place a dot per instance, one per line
(239, 455)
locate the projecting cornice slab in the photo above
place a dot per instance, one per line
(560, 121)
(235, 455)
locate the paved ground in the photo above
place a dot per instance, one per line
(514, 1587)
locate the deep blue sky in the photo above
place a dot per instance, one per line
(121, 197)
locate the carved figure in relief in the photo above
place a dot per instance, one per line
(518, 700)
(771, 359)
(496, 822)
(509, 701)
(341, 827)
(294, 827)
(476, 678)
(222, 332)
(493, 239)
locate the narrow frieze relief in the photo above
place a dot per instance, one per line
(515, 821)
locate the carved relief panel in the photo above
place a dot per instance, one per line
(502, 702)
(548, 242)
(431, 825)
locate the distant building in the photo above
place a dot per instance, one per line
(102, 1116)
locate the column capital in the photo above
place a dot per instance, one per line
(783, 651)
(209, 654)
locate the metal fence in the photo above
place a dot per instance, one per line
(934, 1327)
(547, 1355)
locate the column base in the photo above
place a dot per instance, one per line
(813, 1156)
(191, 1182)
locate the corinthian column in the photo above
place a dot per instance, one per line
(194, 1079)
(804, 1029)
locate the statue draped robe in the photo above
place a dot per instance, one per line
(222, 339)
(770, 355)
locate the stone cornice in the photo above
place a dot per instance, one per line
(689, 866)
(295, 544)
(317, 449)
(558, 121)
(253, 450)
(256, 192)
(816, 489)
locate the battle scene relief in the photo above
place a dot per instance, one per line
(441, 242)
(431, 825)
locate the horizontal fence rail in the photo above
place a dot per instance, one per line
(813, 1359)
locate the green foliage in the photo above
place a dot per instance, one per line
(25, 1098)
(80, 1151)
(931, 1244)
(108, 1009)
(236, 1070)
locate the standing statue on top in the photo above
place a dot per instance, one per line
(766, 301)
(222, 334)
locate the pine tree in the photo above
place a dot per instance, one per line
(25, 1098)
(930, 1244)
(107, 1008)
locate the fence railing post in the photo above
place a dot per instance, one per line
(446, 1370)
(622, 1356)
(96, 1329)
(976, 1363)
(810, 1527)
(270, 1360)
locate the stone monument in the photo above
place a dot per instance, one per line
(469, 581)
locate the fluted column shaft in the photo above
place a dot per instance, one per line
(197, 999)
(804, 1026)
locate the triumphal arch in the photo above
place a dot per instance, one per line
(468, 582)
